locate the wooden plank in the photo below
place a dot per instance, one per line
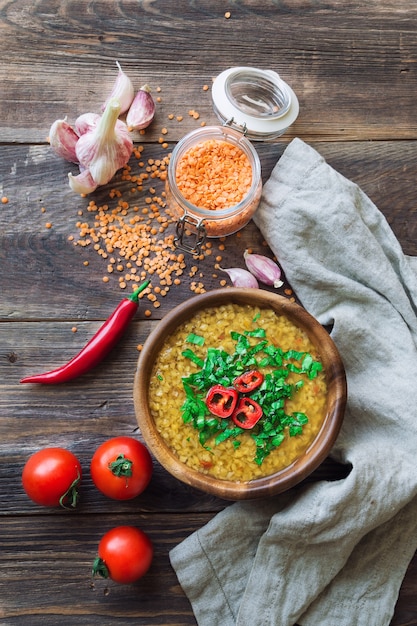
(70, 65)
(36, 260)
(46, 572)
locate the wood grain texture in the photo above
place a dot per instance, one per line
(351, 63)
(53, 582)
(353, 67)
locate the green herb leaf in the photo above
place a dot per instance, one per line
(195, 339)
(189, 354)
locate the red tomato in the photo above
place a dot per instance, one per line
(124, 554)
(51, 477)
(121, 468)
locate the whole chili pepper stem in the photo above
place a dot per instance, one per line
(135, 295)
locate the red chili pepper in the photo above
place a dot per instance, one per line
(247, 413)
(248, 381)
(221, 401)
(99, 345)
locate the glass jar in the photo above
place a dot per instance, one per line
(195, 223)
(252, 104)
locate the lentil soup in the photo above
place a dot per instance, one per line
(233, 459)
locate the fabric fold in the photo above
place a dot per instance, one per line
(330, 552)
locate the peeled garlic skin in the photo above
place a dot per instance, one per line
(264, 269)
(122, 90)
(142, 110)
(241, 277)
(106, 147)
(63, 139)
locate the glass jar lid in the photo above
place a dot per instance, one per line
(258, 102)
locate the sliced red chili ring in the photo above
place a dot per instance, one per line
(247, 413)
(248, 381)
(221, 401)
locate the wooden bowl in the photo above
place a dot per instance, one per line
(301, 467)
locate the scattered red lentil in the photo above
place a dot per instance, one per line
(4, 200)
(227, 15)
(48, 225)
(74, 329)
(137, 237)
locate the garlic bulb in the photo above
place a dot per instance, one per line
(122, 90)
(264, 269)
(240, 277)
(86, 122)
(63, 139)
(142, 110)
(103, 149)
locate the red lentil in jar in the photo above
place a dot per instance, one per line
(214, 181)
(214, 174)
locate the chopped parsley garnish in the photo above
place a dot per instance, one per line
(251, 350)
(195, 339)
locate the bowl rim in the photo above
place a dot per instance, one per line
(301, 467)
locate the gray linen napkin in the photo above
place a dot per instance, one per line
(328, 553)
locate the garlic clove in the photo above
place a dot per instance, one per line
(63, 139)
(86, 122)
(106, 147)
(142, 110)
(240, 277)
(122, 90)
(264, 269)
(83, 183)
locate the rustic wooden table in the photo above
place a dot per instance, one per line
(353, 66)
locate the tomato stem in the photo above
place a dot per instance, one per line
(121, 466)
(71, 494)
(99, 568)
